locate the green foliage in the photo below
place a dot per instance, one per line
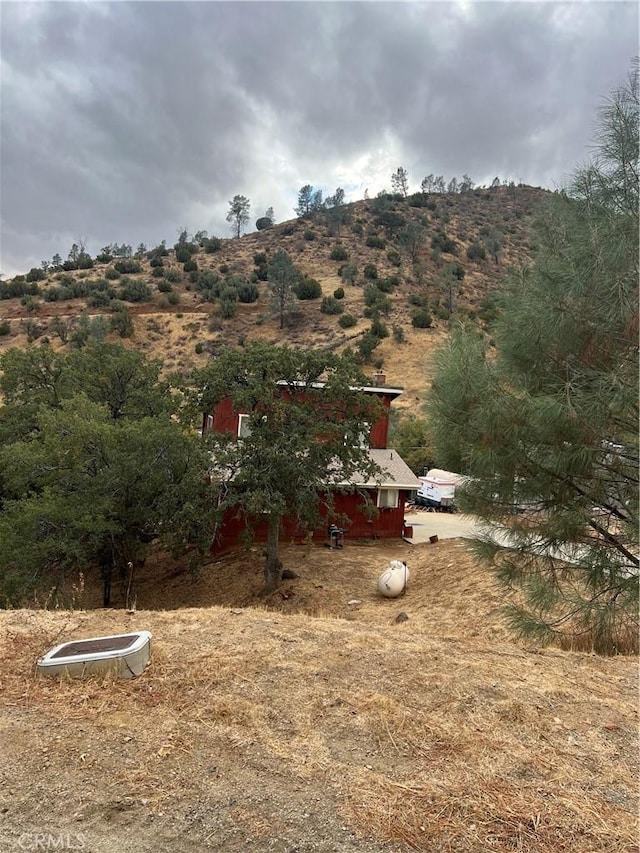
(199, 348)
(375, 242)
(208, 284)
(18, 287)
(338, 293)
(376, 301)
(309, 235)
(158, 272)
(330, 305)
(398, 335)
(309, 201)
(239, 214)
(548, 421)
(366, 345)
(36, 274)
(134, 290)
(308, 288)
(127, 266)
(400, 182)
(370, 271)
(444, 243)
(394, 257)
(339, 253)
(263, 223)
(85, 490)
(349, 273)
(173, 275)
(347, 321)
(228, 306)
(476, 252)
(122, 323)
(280, 468)
(283, 279)
(421, 319)
(112, 273)
(409, 435)
(248, 292)
(190, 266)
(379, 329)
(387, 285)
(212, 245)
(391, 221)
(5, 328)
(183, 255)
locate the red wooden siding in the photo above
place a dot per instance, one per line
(386, 524)
(225, 420)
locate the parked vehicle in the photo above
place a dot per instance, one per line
(438, 489)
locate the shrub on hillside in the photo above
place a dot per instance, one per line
(330, 305)
(248, 292)
(349, 273)
(134, 290)
(422, 319)
(476, 252)
(347, 320)
(339, 253)
(36, 274)
(127, 266)
(308, 288)
(375, 242)
(370, 271)
(338, 293)
(111, 273)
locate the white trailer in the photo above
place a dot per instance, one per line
(437, 490)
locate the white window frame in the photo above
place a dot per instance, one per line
(244, 431)
(209, 423)
(387, 502)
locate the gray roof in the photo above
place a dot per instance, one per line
(396, 474)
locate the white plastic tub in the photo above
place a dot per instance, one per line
(123, 655)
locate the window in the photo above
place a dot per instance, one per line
(388, 498)
(209, 424)
(244, 427)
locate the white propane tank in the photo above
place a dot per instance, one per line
(393, 580)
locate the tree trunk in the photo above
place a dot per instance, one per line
(272, 566)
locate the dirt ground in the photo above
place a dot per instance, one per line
(306, 724)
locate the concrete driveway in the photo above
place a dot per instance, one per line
(444, 525)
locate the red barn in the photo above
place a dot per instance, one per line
(352, 499)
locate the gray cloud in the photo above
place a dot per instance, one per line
(125, 121)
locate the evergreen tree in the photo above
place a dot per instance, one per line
(282, 278)
(305, 201)
(238, 215)
(548, 423)
(400, 181)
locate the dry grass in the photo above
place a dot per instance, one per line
(436, 734)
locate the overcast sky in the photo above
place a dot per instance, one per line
(122, 122)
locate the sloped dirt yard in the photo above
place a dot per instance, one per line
(305, 723)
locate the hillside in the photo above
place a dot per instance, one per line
(333, 728)
(183, 324)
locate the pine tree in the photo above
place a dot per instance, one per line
(238, 215)
(546, 425)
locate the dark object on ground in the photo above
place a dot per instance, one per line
(401, 617)
(289, 575)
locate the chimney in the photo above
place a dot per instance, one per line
(379, 378)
